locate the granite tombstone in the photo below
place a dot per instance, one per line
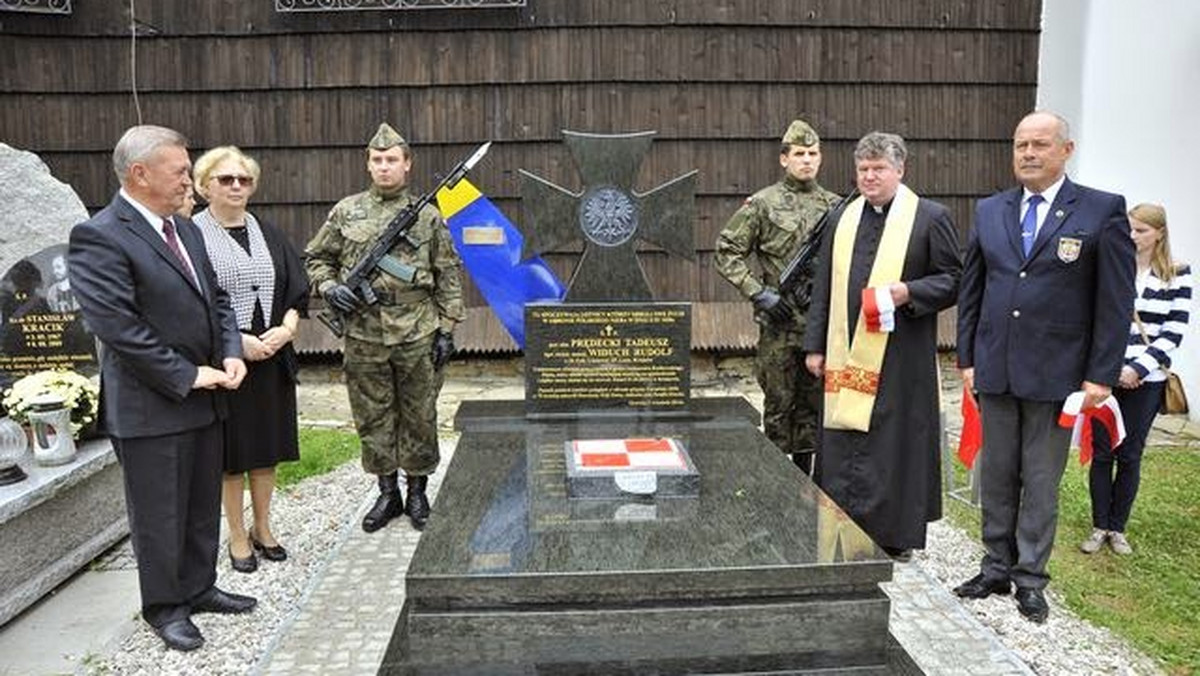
(723, 558)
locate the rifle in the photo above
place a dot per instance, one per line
(795, 282)
(377, 257)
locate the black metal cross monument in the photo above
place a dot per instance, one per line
(610, 215)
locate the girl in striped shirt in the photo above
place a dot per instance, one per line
(1164, 293)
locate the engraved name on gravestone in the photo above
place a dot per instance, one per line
(40, 327)
(619, 356)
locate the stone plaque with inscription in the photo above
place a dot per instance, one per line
(40, 324)
(618, 357)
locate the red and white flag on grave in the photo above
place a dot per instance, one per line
(642, 454)
(1107, 413)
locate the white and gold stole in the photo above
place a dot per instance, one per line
(852, 372)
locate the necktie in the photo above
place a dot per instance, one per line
(1029, 224)
(173, 244)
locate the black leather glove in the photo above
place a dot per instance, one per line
(769, 304)
(443, 347)
(342, 299)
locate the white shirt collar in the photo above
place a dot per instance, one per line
(151, 217)
(1048, 194)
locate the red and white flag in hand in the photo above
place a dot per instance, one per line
(1107, 413)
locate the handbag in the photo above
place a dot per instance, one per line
(1174, 396)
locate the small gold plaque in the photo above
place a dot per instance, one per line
(487, 235)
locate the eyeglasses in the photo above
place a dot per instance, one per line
(228, 179)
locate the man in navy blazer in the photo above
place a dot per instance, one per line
(170, 344)
(1043, 311)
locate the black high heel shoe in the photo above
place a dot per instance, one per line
(273, 553)
(246, 565)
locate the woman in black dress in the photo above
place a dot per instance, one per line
(264, 277)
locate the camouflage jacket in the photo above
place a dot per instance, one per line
(770, 227)
(407, 310)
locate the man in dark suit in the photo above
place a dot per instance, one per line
(171, 343)
(1043, 311)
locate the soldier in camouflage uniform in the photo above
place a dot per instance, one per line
(770, 227)
(395, 349)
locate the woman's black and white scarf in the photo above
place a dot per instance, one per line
(246, 277)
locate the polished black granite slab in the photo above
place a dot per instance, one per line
(759, 572)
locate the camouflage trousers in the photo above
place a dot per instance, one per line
(791, 396)
(393, 397)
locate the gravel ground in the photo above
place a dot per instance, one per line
(1065, 645)
(310, 517)
(307, 519)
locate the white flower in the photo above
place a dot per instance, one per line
(78, 392)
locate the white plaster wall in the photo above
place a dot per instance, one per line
(1127, 77)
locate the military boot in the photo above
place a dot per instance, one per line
(389, 504)
(418, 504)
(804, 461)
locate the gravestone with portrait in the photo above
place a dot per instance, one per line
(688, 544)
(58, 518)
(40, 324)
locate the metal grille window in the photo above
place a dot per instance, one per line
(362, 5)
(38, 6)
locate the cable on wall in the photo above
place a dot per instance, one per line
(137, 106)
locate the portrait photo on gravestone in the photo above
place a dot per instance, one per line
(40, 325)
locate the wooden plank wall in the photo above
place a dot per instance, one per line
(719, 80)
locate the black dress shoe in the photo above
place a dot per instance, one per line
(981, 587)
(216, 601)
(275, 552)
(1032, 604)
(246, 565)
(180, 635)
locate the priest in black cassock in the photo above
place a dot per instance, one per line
(888, 264)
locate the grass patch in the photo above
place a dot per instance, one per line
(321, 451)
(1151, 598)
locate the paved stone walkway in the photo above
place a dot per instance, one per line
(940, 634)
(346, 620)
